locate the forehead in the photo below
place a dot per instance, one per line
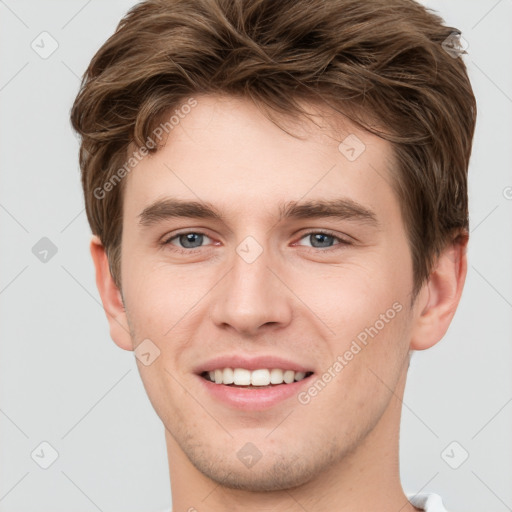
(226, 151)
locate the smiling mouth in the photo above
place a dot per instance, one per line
(255, 379)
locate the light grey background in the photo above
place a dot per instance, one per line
(64, 381)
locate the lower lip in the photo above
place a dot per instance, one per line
(250, 399)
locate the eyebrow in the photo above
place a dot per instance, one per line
(342, 208)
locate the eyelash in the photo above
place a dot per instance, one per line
(182, 250)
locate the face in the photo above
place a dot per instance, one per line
(293, 258)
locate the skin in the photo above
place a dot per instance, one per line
(339, 451)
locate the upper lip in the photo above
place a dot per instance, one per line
(250, 363)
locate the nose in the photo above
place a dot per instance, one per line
(252, 297)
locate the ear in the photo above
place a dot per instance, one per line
(110, 297)
(438, 299)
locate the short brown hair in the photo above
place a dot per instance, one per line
(380, 62)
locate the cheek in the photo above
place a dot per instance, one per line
(365, 308)
(158, 294)
(349, 297)
(365, 361)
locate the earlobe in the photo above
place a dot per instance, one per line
(440, 296)
(110, 296)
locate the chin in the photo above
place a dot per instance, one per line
(280, 473)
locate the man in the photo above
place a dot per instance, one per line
(278, 197)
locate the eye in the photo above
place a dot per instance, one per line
(188, 240)
(324, 239)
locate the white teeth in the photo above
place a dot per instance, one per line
(276, 376)
(288, 376)
(260, 377)
(228, 376)
(299, 375)
(241, 377)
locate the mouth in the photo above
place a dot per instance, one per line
(261, 378)
(250, 382)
